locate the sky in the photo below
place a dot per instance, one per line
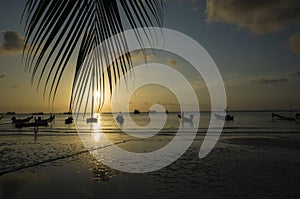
(255, 44)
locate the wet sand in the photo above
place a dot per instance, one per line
(240, 166)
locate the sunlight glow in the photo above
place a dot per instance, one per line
(97, 94)
(96, 131)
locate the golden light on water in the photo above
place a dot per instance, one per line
(96, 128)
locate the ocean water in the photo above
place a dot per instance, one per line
(244, 122)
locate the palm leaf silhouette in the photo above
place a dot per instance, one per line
(55, 31)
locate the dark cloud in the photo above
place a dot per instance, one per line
(258, 16)
(12, 42)
(294, 43)
(268, 81)
(2, 76)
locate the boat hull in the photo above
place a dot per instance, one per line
(31, 124)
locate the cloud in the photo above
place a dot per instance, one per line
(172, 62)
(12, 43)
(294, 43)
(268, 81)
(258, 16)
(2, 76)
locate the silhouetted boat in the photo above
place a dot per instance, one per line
(15, 120)
(69, 120)
(185, 119)
(50, 119)
(92, 120)
(120, 119)
(282, 117)
(226, 117)
(136, 111)
(31, 124)
(167, 112)
(10, 113)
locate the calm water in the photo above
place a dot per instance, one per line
(245, 122)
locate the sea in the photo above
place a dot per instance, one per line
(244, 122)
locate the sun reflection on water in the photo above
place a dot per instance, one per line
(96, 130)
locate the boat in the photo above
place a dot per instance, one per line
(227, 117)
(31, 124)
(167, 112)
(282, 117)
(50, 119)
(69, 120)
(136, 111)
(185, 119)
(15, 120)
(91, 120)
(120, 119)
(10, 113)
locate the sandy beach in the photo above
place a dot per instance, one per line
(240, 166)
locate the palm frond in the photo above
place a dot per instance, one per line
(56, 31)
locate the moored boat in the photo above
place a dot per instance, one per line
(31, 124)
(282, 117)
(69, 120)
(185, 119)
(136, 111)
(91, 120)
(15, 120)
(50, 119)
(120, 119)
(226, 117)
